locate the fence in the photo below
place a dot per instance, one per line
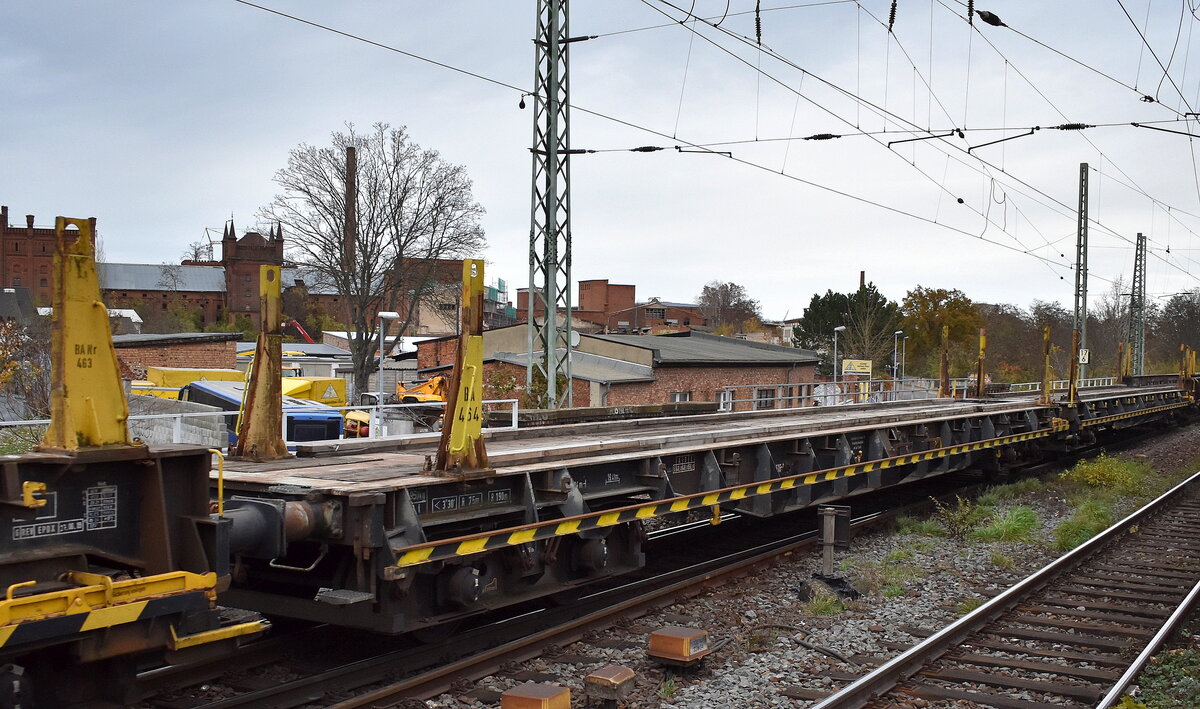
(177, 420)
(873, 391)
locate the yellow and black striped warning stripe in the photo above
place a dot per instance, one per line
(99, 602)
(473, 544)
(1100, 420)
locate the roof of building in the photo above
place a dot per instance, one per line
(588, 367)
(129, 313)
(312, 282)
(665, 304)
(16, 304)
(406, 345)
(151, 276)
(315, 350)
(190, 278)
(175, 338)
(695, 348)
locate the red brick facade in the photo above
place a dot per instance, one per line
(704, 383)
(242, 259)
(212, 352)
(614, 308)
(26, 257)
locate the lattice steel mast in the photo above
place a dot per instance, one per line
(1081, 268)
(1137, 309)
(550, 230)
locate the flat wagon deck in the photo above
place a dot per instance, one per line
(381, 540)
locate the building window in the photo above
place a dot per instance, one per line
(16, 281)
(764, 399)
(678, 396)
(656, 313)
(725, 400)
(44, 283)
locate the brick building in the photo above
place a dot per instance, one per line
(204, 350)
(619, 370)
(26, 256)
(614, 308)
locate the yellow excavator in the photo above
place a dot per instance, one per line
(432, 390)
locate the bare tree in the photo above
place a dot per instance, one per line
(170, 277)
(198, 250)
(413, 209)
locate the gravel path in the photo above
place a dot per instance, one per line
(774, 651)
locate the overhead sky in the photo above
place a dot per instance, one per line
(163, 119)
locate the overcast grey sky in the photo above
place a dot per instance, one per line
(162, 119)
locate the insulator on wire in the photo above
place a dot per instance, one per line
(892, 16)
(758, 21)
(971, 12)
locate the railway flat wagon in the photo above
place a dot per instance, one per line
(384, 535)
(109, 549)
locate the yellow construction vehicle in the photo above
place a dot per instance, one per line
(430, 391)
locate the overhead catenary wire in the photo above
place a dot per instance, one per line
(619, 121)
(629, 124)
(1094, 146)
(874, 107)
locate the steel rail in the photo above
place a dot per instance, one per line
(1160, 638)
(909, 663)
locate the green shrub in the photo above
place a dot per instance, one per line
(911, 525)
(893, 590)
(967, 606)
(874, 576)
(1089, 519)
(824, 604)
(1104, 472)
(1003, 493)
(899, 555)
(1014, 525)
(1002, 561)
(958, 519)
(669, 688)
(1171, 680)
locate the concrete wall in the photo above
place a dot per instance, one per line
(207, 431)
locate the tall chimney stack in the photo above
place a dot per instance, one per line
(350, 228)
(862, 280)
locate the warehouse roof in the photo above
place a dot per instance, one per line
(150, 276)
(696, 348)
(588, 367)
(314, 350)
(176, 338)
(193, 279)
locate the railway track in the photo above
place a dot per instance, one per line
(1073, 634)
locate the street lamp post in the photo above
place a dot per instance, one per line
(895, 361)
(836, 330)
(384, 316)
